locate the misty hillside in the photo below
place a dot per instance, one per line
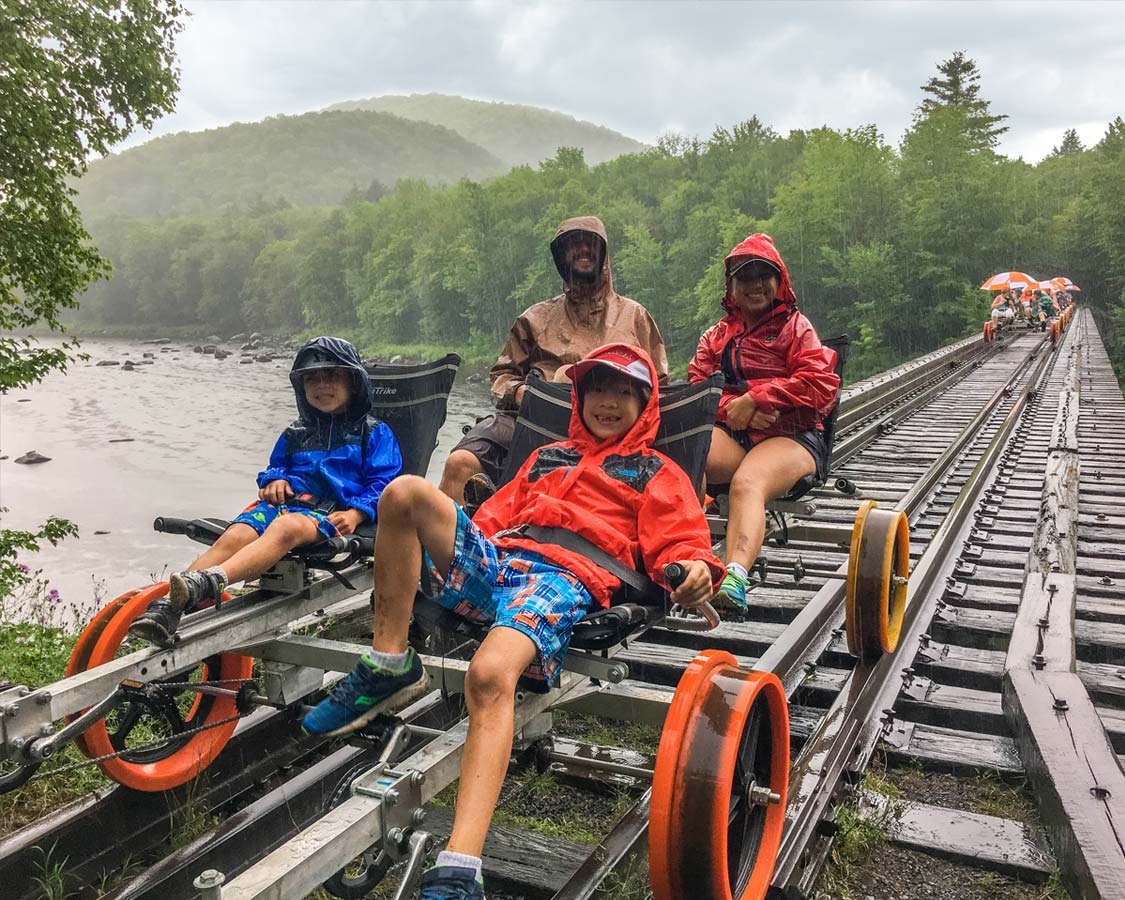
(516, 134)
(308, 160)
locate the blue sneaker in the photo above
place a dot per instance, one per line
(451, 883)
(364, 694)
(733, 590)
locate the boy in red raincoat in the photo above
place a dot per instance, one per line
(607, 485)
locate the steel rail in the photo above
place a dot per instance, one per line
(881, 396)
(791, 655)
(848, 732)
(891, 390)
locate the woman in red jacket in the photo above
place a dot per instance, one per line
(780, 384)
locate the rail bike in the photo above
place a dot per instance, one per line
(153, 718)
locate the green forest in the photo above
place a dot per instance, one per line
(886, 243)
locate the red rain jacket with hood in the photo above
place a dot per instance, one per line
(635, 503)
(779, 359)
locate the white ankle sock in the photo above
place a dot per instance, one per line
(462, 860)
(389, 662)
(220, 572)
(737, 569)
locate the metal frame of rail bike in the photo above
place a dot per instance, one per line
(721, 772)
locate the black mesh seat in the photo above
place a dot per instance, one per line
(412, 400)
(687, 415)
(809, 482)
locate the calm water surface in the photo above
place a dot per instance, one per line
(200, 432)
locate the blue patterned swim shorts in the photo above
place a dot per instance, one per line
(519, 590)
(260, 514)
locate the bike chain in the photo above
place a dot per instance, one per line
(151, 744)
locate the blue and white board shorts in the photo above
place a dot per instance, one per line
(259, 515)
(517, 589)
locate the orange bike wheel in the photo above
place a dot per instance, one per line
(84, 646)
(986, 332)
(714, 828)
(178, 759)
(875, 589)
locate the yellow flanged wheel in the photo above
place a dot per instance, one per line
(878, 565)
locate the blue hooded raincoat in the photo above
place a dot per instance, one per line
(346, 460)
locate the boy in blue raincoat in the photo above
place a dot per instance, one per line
(324, 478)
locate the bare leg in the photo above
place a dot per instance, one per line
(459, 468)
(769, 470)
(229, 543)
(283, 534)
(412, 514)
(489, 691)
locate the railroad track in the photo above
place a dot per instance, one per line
(950, 439)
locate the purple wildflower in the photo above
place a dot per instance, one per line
(21, 640)
(23, 568)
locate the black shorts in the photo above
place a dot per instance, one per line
(812, 440)
(489, 441)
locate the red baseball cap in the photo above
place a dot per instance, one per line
(620, 358)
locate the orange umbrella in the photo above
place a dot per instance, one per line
(1008, 279)
(1062, 283)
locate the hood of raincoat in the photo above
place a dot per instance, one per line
(637, 438)
(593, 225)
(759, 246)
(331, 352)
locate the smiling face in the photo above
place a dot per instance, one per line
(329, 390)
(753, 289)
(582, 251)
(611, 403)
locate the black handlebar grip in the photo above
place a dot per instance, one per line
(674, 575)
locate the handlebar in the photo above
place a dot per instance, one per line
(697, 618)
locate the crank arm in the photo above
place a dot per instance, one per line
(48, 746)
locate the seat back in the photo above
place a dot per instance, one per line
(840, 345)
(687, 414)
(412, 400)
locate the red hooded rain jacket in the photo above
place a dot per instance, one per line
(779, 359)
(630, 500)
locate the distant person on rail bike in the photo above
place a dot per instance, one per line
(1025, 306)
(1046, 308)
(1003, 308)
(604, 485)
(549, 337)
(779, 385)
(324, 478)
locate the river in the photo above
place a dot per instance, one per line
(184, 436)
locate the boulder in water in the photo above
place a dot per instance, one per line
(209, 349)
(109, 362)
(263, 357)
(246, 361)
(147, 355)
(31, 458)
(241, 336)
(128, 367)
(213, 339)
(198, 348)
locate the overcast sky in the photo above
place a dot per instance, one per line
(646, 68)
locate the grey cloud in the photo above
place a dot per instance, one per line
(645, 67)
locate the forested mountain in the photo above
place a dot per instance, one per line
(517, 134)
(315, 159)
(887, 243)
